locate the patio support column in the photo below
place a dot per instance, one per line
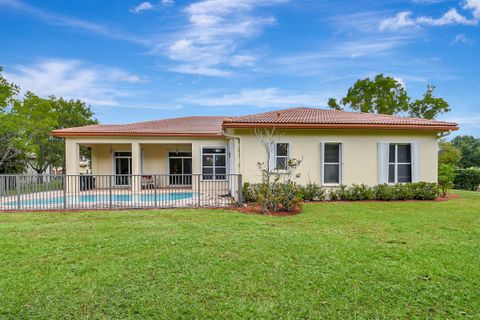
(136, 167)
(72, 157)
(72, 163)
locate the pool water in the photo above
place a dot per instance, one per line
(104, 198)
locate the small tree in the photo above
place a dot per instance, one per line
(449, 154)
(277, 187)
(446, 176)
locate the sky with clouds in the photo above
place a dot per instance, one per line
(141, 60)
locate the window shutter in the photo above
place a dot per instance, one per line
(382, 164)
(272, 163)
(342, 175)
(322, 149)
(415, 161)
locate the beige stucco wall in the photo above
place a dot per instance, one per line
(359, 158)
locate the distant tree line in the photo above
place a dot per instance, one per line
(26, 123)
(461, 151)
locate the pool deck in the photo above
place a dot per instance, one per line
(116, 199)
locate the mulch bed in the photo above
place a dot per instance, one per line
(253, 208)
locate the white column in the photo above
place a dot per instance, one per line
(72, 157)
(72, 166)
(136, 167)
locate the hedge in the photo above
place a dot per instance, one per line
(357, 192)
(467, 179)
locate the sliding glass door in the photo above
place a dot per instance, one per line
(180, 164)
(122, 162)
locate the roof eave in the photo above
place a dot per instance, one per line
(437, 128)
(134, 134)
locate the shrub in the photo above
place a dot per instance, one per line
(384, 192)
(446, 176)
(404, 191)
(288, 193)
(358, 192)
(332, 195)
(250, 192)
(312, 192)
(342, 193)
(467, 179)
(424, 190)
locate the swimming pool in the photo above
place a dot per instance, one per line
(102, 198)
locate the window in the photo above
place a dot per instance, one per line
(214, 163)
(281, 156)
(332, 160)
(399, 163)
(122, 168)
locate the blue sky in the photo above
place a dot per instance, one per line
(135, 60)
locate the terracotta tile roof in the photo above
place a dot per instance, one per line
(303, 118)
(187, 126)
(321, 118)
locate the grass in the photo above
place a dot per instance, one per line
(335, 260)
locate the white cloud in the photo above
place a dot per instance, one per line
(473, 5)
(404, 19)
(461, 38)
(268, 97)
(213, 35)
(144, 6)
(201, 71)
(71, 22)
(240, 60)
(73, 79)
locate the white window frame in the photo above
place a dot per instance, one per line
(114, 166)
(275, 157)
(214, 178)
(339, 163)
(396, 163)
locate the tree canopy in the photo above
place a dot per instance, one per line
(386, 95)
(449, 154)
(27, 122)
(469, 147)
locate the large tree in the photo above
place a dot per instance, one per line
(429, 106)
(11, 141)
(71, 113)
(39, 117)
(26, 124)
(386, 95)
(469, 146)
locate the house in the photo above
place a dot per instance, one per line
(336, 147)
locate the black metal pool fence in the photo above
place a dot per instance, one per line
(76, 192)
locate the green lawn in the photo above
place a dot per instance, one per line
(335, 260)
